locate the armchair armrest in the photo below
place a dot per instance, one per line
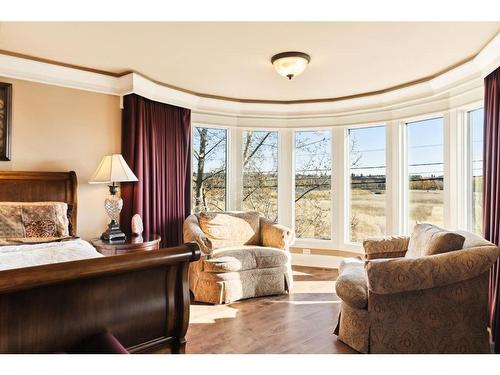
(275, 235)
(388, 276)
(193, 233)
(386, 247)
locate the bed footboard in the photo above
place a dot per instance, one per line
(140, 298)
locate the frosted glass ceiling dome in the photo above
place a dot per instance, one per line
(290, 64)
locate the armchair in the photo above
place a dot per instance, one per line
(421, 294)
(244, 255)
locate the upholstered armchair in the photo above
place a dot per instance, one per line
(421, 294)
(244, 255)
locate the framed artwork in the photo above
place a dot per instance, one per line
(5, 120)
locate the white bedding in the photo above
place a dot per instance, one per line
(27, 255)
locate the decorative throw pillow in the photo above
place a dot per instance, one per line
(40, 228)
(428, 239)
(33, 220)
(11, 223)
(225, 229)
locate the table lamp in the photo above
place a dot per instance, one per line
(113, 169)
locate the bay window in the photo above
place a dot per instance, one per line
(366, 200)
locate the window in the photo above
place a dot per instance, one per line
(209, 169)
(475, 119)
(425, 172)
(367, 194)
(313, 175)
(260, 173)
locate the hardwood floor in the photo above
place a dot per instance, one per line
(300, 322)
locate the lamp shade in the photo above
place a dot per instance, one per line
(112, 168)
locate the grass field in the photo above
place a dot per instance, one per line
(368, 211)
(367, 214)
(368, 217)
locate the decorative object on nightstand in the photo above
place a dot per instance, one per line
(113, 169)
(146, 242)
(136, 226)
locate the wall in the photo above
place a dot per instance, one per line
(61, 129)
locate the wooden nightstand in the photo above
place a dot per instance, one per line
(132, 244)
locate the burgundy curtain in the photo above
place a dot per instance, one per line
(491, 191)
(156, 146)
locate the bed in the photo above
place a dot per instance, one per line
(142, 299)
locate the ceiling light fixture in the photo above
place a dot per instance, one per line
(290, 64)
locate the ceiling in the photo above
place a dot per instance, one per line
(233, 59)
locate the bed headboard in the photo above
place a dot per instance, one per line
(41, 187)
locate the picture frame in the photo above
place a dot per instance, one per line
(5, 120)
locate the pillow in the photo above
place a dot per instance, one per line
(225, 229)
(33, 220)
(428, 239)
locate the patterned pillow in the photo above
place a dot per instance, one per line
(33, 220)
(428, 239)
(11, 223)
(225, 229)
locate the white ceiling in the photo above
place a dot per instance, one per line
(233, 59)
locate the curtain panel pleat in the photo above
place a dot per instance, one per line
(156, 146)
(491, 192)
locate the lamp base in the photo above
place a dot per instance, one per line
(113, 233)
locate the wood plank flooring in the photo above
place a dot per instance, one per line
(300, 322)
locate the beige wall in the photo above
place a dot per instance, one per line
(60, 129)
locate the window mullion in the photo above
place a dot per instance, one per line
(339, 190)
(234, 184)
(286, 178)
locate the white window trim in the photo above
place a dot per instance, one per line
(286, 178)
(466, 167)
(235, 170)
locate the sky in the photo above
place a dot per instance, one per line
(425, 147)
(369, 147)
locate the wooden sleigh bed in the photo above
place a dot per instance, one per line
(140, 298)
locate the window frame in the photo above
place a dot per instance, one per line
(468, 166)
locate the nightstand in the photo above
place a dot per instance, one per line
(132, 244)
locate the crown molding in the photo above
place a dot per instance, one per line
(452, 83)
(58, 75)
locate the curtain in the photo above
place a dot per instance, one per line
(156, 146)
(491, 192)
